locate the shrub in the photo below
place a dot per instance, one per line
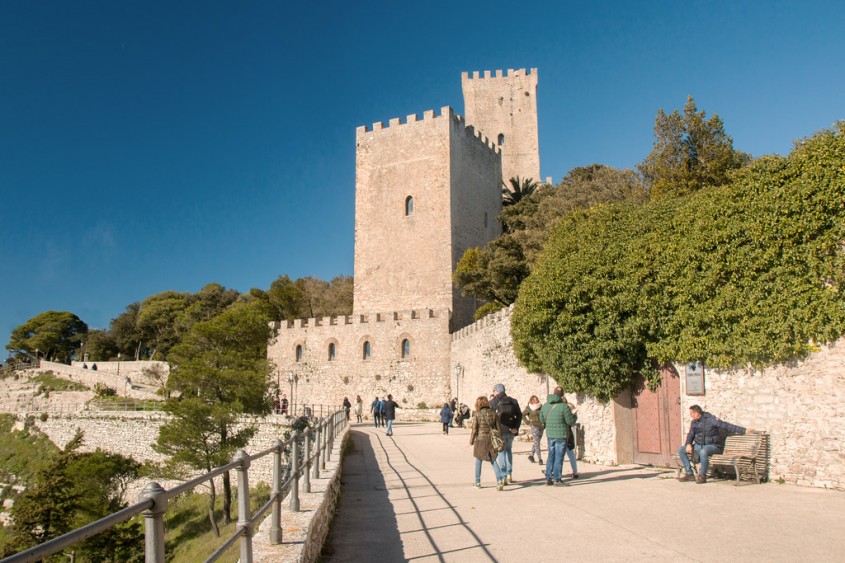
(102, 390)
(422, 405)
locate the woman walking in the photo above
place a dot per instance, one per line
(531, 418)
(483, 421)
(359, 408)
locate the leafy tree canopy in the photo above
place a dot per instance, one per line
(55, 334)
(519, 189)
(749, 272)
(690, 152)
(310, 297)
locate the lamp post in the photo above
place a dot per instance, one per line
(459, 369)
(291, 378)
(118, 364)
(36, 357)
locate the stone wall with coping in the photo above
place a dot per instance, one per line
(800, 406)
(133, 369)
(484, 351)
(138, 389)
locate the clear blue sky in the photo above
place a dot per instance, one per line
(149, 146)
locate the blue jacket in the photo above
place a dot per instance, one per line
(446, 414)
(705, 430)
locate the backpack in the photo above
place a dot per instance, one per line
(508, 412)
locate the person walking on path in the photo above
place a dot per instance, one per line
(375, 408)
(347, 406)
(453, 404)
(359, 409)
(557, 418)
(570, 436)
(531, 417)
(483, 421)
(704, 438)
(388, 410)
(510, 417)
(446, 417)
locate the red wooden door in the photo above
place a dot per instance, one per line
(657, 420)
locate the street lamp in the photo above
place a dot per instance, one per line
(291, 379)
(459, 370)
(118, 364)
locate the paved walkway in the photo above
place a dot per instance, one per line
(409, 498)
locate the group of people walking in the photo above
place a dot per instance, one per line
(384, 413)
(496, 423)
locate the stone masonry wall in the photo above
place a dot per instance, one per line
(88, 377)
(801, 407)
(421, 378)
(485, 352)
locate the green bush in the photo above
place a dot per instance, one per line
(103, 390)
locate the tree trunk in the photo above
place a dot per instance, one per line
(227, 499)
(211, 499)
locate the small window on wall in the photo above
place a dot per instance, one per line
(501, 139)
(298, 353)
(331, 351)
(409, 206)
(366, 354)
(406, 348)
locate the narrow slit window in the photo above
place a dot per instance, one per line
(406, 348)
(299, 352)
(501, 139)
(409, 206)
(367, 350)
(331, 351)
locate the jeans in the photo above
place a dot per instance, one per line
(704, 453)
(496, 471)
(570, 453)
(390, 426)
(505, 459)
(554, 458)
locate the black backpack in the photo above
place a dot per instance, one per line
(509, 414)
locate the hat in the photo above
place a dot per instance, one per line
(498, 388)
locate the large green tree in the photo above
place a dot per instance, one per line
(220, 371)
(55, 334)
(690, 152)
(157, 321)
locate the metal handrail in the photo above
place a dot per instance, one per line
(154, 498)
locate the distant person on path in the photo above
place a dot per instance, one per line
(446, 417)
(483, 420)
(375, 408)
(284, 404)
(531, 417)
(453, 404)
(570, 437)
(389, 413)
(359, 409)
(510, 417)
(347, 407)
(557, 418)
(462, 414)
(704, 438)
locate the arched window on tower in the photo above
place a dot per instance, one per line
(501, 139)
(331, 351)
(409, 206)
(406, 349)
(299, 352)
(367, 350)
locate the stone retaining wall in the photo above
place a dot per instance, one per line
(138, 389)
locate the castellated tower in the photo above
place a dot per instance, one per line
(425, 191)
(505, 109)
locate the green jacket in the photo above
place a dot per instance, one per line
(556, 417)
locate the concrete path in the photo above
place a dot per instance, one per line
(409, 498)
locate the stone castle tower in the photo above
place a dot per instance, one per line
(505, 108)
(426, 190)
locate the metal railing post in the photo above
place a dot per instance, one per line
(276, 518)
(154, 523)
(294, 473)
(317, 444)
(325, 436)
(244, 515)
(306, 470)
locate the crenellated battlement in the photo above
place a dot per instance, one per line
(486, 321)
(477, 75)
(362, 319)
(429, 115)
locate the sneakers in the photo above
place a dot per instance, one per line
(540, 461)
(500, 486)
(561, 483)
(531, 458)
(685, 477)
(549, 482)
(701, 479)
(477, 485)
(508, 479)
(574, 475)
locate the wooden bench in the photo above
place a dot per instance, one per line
(747, 454)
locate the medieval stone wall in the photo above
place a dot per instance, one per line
(423, 377)
(484, 351)
(799, 405)
(504, 107)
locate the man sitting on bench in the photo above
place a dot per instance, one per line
(704, 438)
